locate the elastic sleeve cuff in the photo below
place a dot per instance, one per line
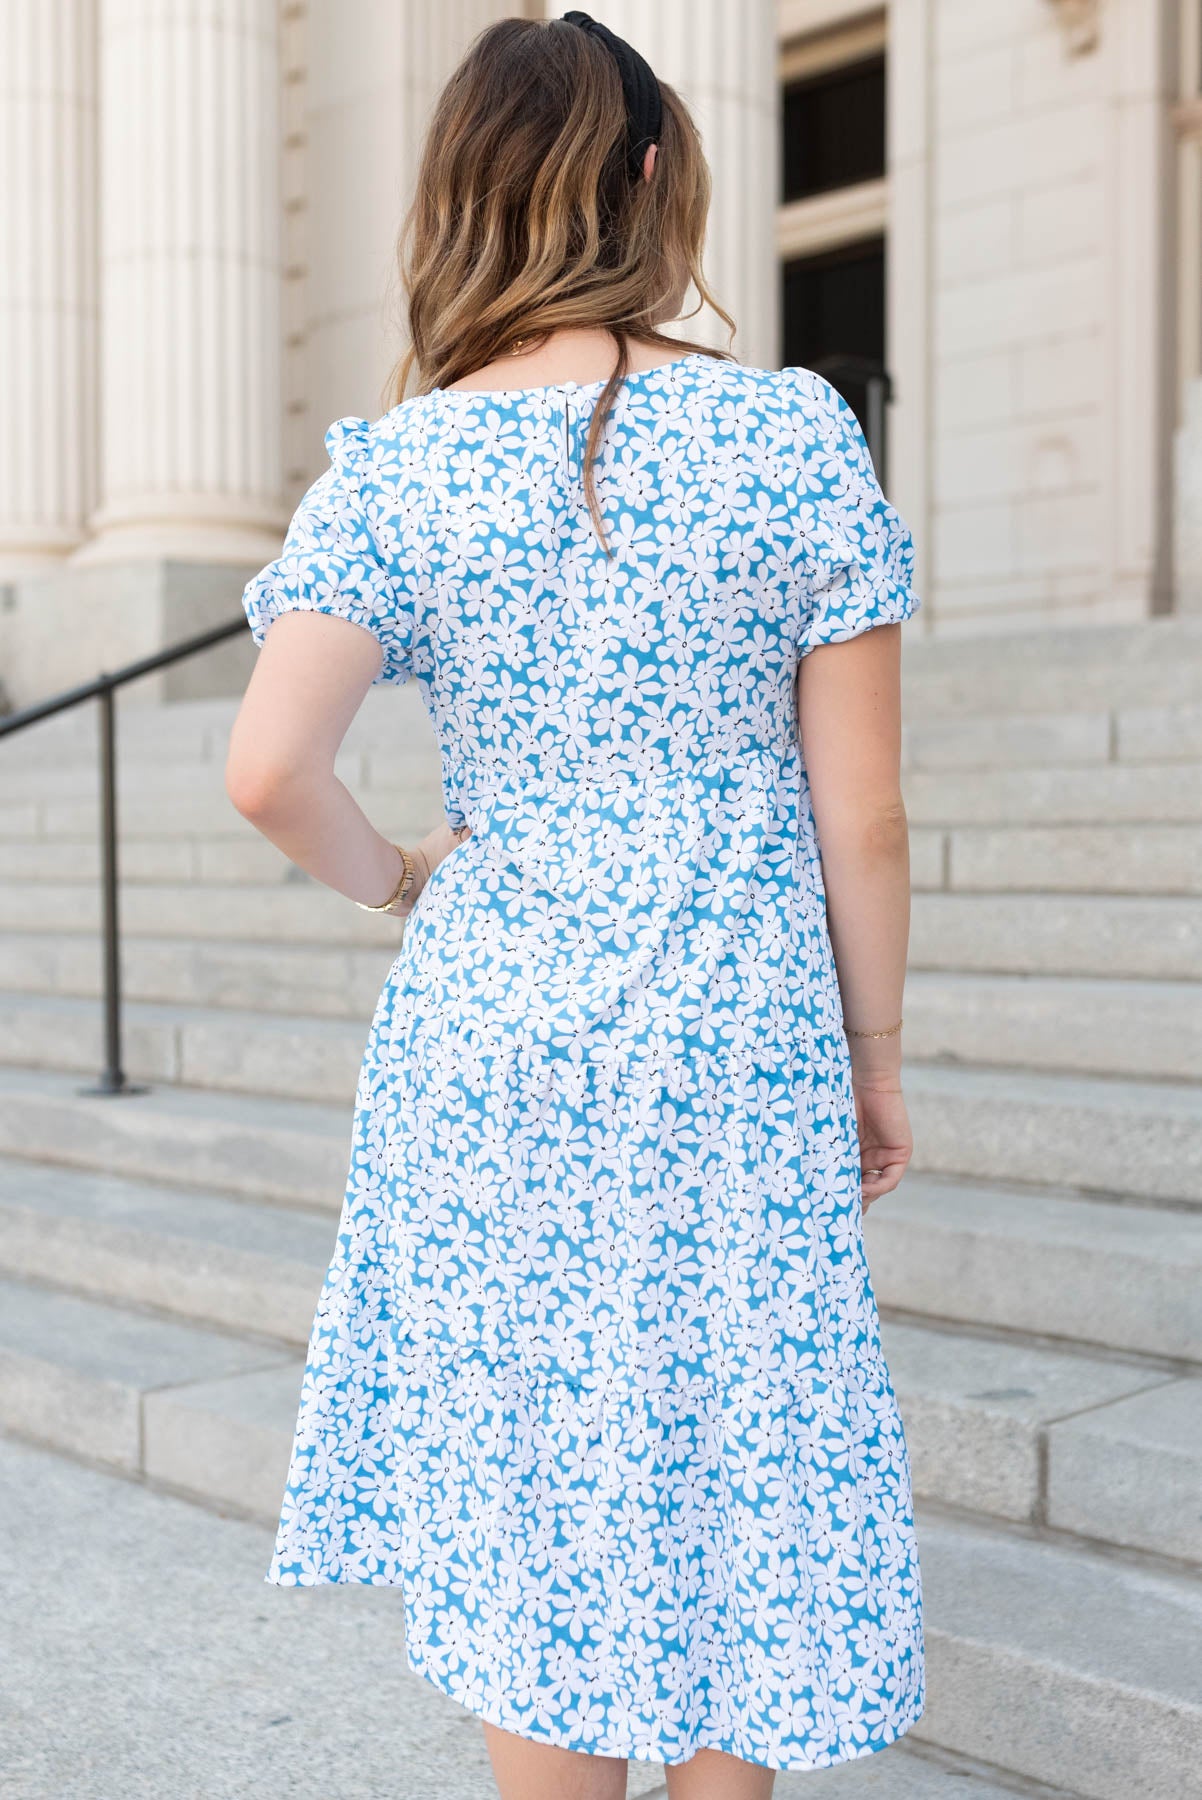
(331, 563)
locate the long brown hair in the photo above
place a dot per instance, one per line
(525, 219)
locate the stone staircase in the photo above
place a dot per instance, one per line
(1040, 1271)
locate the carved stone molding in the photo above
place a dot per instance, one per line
(1080, 22)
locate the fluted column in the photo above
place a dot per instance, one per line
(365, 119)
(47, 281)
(1187, 503)
(721, 58)
(190, 278)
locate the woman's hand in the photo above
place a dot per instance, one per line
(434, 848)
(886, 1142)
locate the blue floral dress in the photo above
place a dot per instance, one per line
(595, 1377)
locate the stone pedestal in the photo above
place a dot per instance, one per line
(64, 625)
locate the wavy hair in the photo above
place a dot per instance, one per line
(525, 218)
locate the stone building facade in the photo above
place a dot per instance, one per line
(997, 204)
(1000, 201)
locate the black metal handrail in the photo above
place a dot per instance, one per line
(112, 1080)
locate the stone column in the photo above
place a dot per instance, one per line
(190, 277)
(1137, 197)
(47, 285)
(1187, 496)
(909, 295)
(368, 75)
(721, 59)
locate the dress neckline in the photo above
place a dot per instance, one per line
(564, 387)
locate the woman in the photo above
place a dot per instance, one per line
(595, 1377)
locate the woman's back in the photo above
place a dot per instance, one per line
(619, 732)
(596, 1375)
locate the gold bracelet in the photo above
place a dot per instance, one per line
(877, 1034)
(400, 890)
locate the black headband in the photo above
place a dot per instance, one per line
(644, 102)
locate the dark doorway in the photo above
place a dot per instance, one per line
(834, 314)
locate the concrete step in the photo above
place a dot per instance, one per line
(175, 781)
(961, 1021)
(1060, 736)
(1151, 939)
(168, 861)
(1131, 1473)
(1137, 795)
(180, 774)
(1091, 1134)
(1079, 1271)
(78, 1375)
(297, 911)
(928, 857)
(1018, 932)
(1081, 859)
(1149, 1029)
(412, 801)
(1150, 664)
(180, 780)
(201, 1256)
(411, 806)
(190, 729)
(1060, 1664)
(1086, 1134)
(1108, 794)
(166, 747)
(306, 1722)
(226, 1441)
(1149, 667)
(1009, 740)
(984, 1417)
(76, 861)
(186, 731)
(312, 980)
(219, 957)
(293, 1151)
(1048, 1264)
(1158, 732)
(165, 861)
(201, 1047)
(1098, 1659)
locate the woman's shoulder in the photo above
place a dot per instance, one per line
(793, 401)
(358, 444)
(784, 396)
(795, 388)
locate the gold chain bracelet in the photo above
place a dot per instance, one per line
(877, 1034)
(400, 890)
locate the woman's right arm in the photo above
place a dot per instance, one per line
(849, 721)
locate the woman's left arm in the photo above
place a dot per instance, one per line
(311, 677)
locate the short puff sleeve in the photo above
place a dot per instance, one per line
(331, 560)
(855, 551)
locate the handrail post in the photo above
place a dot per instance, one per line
(877, 394)
(854, 372)
(112, 1077)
